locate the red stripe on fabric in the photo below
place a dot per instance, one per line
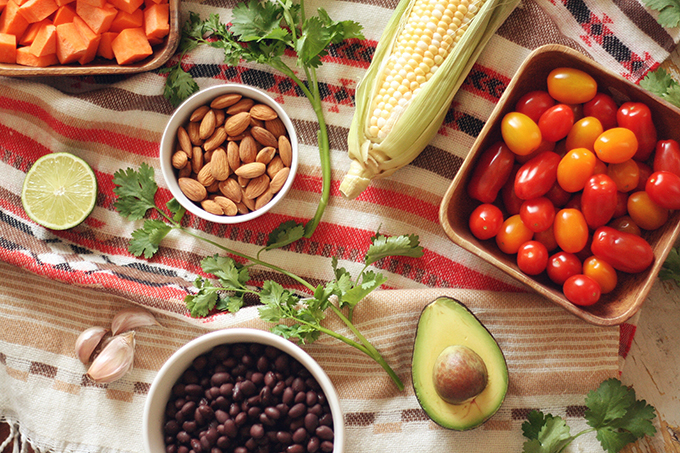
(105, 137)
(626, 335)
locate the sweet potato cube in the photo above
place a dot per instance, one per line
(97, 3)
(71, 44)
(3, 3)
(26, 58)
(63, 2)
(98, 19)
(11, 22)
(129, 6)
(31, 32)
(156, 21)
(64, 15)
(91, 38)
(131, 45)
(104, 50)
(37, 10)
(45, 42)
(125, 20)
(8, 48)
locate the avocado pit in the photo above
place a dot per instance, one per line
(459, 374)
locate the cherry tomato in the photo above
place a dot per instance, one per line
(534, 103)
(511, 202)
(598, 201)
(532, 257)
(626, 175)
(520, 133)
(667, 156)
(637, 117)
(600, 167)
(585, 251)
(563, 265)
(513, 233)
(544, 146)
(485, 221)
(602, 107)
(558, 195)
(583, 133)
(645, 213)
(616, 145)
(547, 238)
(575, 168)
(555, 123)
(581, 290)
(645, 172)
(491, 172)
(574, 202)
(571, 86)
(663, 187)
(571, 230)
(578, 111)
(621, 204)
(602, 272)
(535, 178)
(626, 225)
(624, 251)
(537, 214)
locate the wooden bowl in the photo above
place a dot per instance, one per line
(161, 53)
(456, 207)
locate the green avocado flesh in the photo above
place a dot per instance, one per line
(445, 323)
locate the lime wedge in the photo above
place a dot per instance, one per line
(60, 191)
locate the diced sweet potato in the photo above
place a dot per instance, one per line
(30, 33)
(131, 45)
(156, 21)
(64, 15)
(37, 10)
(98, 19)
(104, 50)
(129, 6)
(91, 38)
(45, 42)
(11, 22)
(8, 48)
(125, 20)
(71, 44)
(97, 3)
(26, 58)
(3, 3)
(63, 2)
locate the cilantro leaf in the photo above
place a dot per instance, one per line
(370, 281)
(286, 233)
(254, 21)
(660, 83)
(383, 246)
(179, 85)
(609, 402)
(146, 240)
(135, 191)
(177, 209)
(553, 435)
(200, 304)
(535, 421)
(230, 303)
(232, 275)
(671, 267)
(669, 11)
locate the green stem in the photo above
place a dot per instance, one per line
(586, 431)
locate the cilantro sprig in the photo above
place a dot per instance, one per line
(671, 267)
(613, 412)
(660, 83)
(295, 317)
(261, 32)
(669, 11)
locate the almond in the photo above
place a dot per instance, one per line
(219, 166)
(251, 170)
(225, 100)
(242, 181)
(285, 150)
(247, 150)
(193, 129)
(212, 207)
(179, 159)
(254, 122)
(213, 188)
(237, 124)
(249, 202)
(216, 139)
(184, 172)
(196, 159)
(207, 125)
(207, 156)
(264, 137)
(276, 127)
(265, 155)
(263, 199)
(241, 106)
(274, 166)
(279, 180)
(184, 140)
(228, 206)
(205, 176)
(193, 189)
(220, 116)
(257, 186)
(242, 208)
(263, 112)
(233, 155)
(199, 113)
(231, 189)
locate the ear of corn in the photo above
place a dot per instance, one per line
(422, 58)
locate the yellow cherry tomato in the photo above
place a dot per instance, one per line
(602, 272)
(575, 168)
(645, 213)
(520, 133)
(626, 175)
(571, 86)
(616, 145)
(513, 234)
(571, 230)
(583, 133)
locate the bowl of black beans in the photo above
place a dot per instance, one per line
(242, 390)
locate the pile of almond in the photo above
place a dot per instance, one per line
(232, 156)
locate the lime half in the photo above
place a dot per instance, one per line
(60, 191)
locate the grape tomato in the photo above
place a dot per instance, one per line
(583, 133)
(491, 171)
(556, 122)
(637, 117)
(626, 175)
(571, 230)
(624, 251)
(667, 156)
(534, 103)
(602, 272)
(535, 178)
(602, 107)
(581, 290)
(532, 257)
(537, 214)
(575, 168)
(512, 235)
(547, 238)
(485, 221)
(598, 200)
(663, 187)
(563, 265)
(626, 225)
(645, 213)
(616, 145)
(520, 133)
(571, 86)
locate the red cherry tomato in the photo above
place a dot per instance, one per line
(520, 133)
(532, 257)
(667, 156)
(583, 133)
(547, 238)
(558, 195)
(645, 213)
(663, 187)
(563, 265)
(534, 103)
(537, 214)
(513, 233)
(555, 123)
(491, 172)
(626, 225)
(637, 117)
(485, 221)
(645, 172)
(581, 290)
(602, 107)
(626, 175)
(571, 230)
(575, 168)
(602, 272)
(624, 251)
(544, 146)
(616, 145)
(535, 178)
(511, 202)
(571, 86)
(598, 201)
(574, 202)
(621, 204)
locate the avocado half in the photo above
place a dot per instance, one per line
(446, 322)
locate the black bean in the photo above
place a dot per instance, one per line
(189, 426)
(220, 352)
(283, 408)
(324, 432)
(200, 362)
(316, 409)
(300, 435)
(193, 389)
(251, 444)
(311, 398)
(230, 362)
(212, 435)
(254, 412)
(297, 411)
(262, 364)
(226, 389)
(218, 379)
(171, 449)
(300, 397)
(188, 408)
(205, 443)
(221, 416)
(297, 423)
(284, 437)
(178, 390)
(205, 382)
(266, 397)
(326, 419)
(322, 398)
(182, 449)
(270, 379)
(248, 361)
(171, 428)
(230, 429)
(257, 431)
(311, 422)
(313, 445)
(248, 388)
(180, 417)
(311, 383)
(240, 450)
(288, 395)
(196, 445)
(234, 409)
(279, 388)
(216, 450)
(239, 369)
(257, 378)
(212, 393)
(298, 385)
(220, 403)
(327, 446)
(271, 352)
(241, 418)
(281, 363)
(223, 442)
(190, 377)
(198, 416)
(295, 448)
(265, 420)
(272, 413)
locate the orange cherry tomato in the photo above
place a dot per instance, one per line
(583, 133)
(575, 168)
(571, 230)
(520, 133)
(547, 238)
(600, 167)
(616, 145)
(645, 213)
(571, 86)
(626, 225)
(626, 175)
(513, 234)
(602, 272)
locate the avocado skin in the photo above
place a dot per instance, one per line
(445, 322)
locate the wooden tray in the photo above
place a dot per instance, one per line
(161, 53)
(456, 207)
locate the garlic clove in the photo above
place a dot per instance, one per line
(131, 318)
(87, 342)
(114, 360)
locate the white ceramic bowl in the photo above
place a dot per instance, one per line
(159, 393)
(181, 117)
